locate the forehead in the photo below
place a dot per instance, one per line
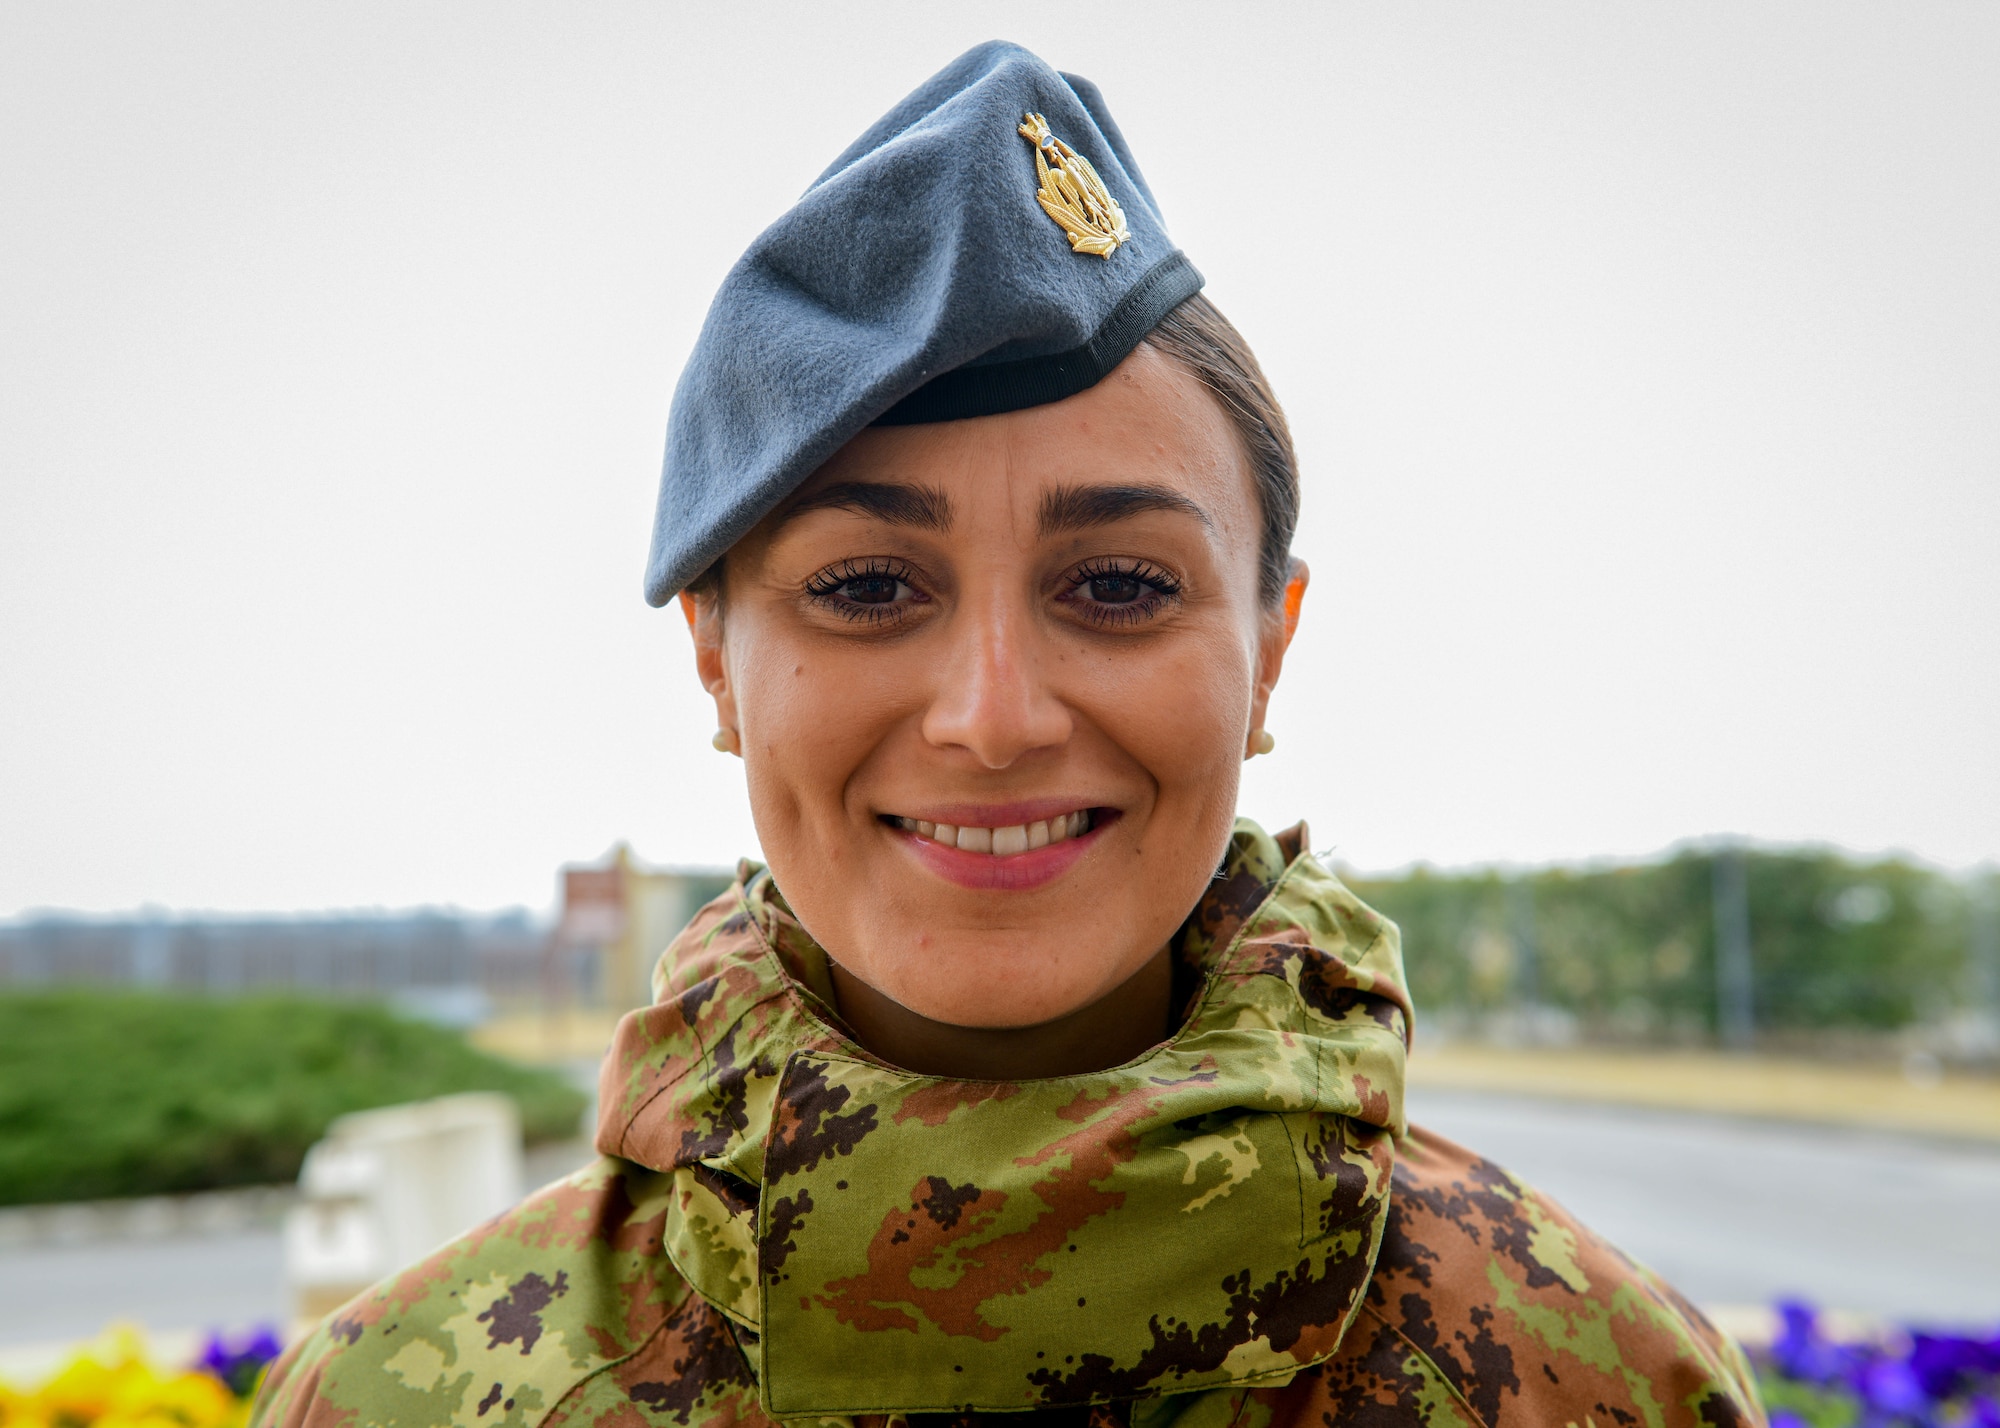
(1150, 421)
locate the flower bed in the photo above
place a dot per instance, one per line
(1907, 1378)
(112, 1385)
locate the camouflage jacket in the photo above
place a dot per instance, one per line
(1235, 1230)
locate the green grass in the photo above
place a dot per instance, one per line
(115, 1093)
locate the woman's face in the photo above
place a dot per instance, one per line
(993, 681)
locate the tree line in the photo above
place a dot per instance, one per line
(1644, 950)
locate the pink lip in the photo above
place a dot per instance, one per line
(1018, 872)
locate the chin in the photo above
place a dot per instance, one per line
(995, 991)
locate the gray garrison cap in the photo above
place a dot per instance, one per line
(946, 266)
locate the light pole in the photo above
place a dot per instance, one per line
(1984, 949)
(1527, 961)
(1734, 980)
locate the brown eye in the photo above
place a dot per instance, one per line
(872, 589)
(1113, 593)
(876, 593)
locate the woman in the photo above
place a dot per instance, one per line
(1025, 1078)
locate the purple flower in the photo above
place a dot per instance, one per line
(1887, 1385)
(1944, 1363)
(239, 1362)
(1910, 1379)
(1802, 1352)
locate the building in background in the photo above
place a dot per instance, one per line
(443, 966)
(460, 969)
(618, 915)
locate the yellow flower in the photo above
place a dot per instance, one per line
(110, 1385)
(20, 1410)
(185, 1400)
(82, 1392)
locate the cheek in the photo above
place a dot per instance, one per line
(1180, 713)
(1182, 720)
(810, 716)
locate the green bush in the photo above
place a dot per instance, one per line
(120, 1093)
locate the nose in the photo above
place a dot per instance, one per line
(992, 696)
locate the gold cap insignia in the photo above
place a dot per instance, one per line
(1072, 193)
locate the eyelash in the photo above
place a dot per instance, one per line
(1162, 588)
(824, 589)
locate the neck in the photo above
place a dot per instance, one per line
(1110, 1031)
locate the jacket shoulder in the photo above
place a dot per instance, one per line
(1492, 1307)
(514, 1320)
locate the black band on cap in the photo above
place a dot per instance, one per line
(988, 390)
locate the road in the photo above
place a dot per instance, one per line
(1737, 1212)
(1733, 1212)
(230, 1279)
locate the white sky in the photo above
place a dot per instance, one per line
(1644, 359)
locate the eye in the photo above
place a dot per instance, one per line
(1114, 589)
(873, 589)
(1120, 592)
(868, 590)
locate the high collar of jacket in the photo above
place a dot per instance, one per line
(1205, 1215)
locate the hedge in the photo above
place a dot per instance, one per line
(108, 1094)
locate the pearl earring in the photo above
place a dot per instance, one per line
(726, 742)
(1262, 742)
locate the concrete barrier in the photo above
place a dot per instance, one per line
(388, 1186)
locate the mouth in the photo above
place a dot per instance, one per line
(1014, 848)
(1006, 841)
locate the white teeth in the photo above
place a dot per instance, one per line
(1001, 842)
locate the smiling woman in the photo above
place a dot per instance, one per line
(966, 658)
(1026, 1078)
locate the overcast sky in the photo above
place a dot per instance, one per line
(1644, 361)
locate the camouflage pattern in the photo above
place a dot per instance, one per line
(1235, 1229)
(1491, 1306)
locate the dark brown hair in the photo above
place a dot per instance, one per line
(1209, 347)
(1207, 344)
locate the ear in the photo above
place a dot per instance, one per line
(704, 618)
(1274, 638)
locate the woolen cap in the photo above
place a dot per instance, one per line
(987, 245)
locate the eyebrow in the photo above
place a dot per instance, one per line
(927, 507)
(1073, 508)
